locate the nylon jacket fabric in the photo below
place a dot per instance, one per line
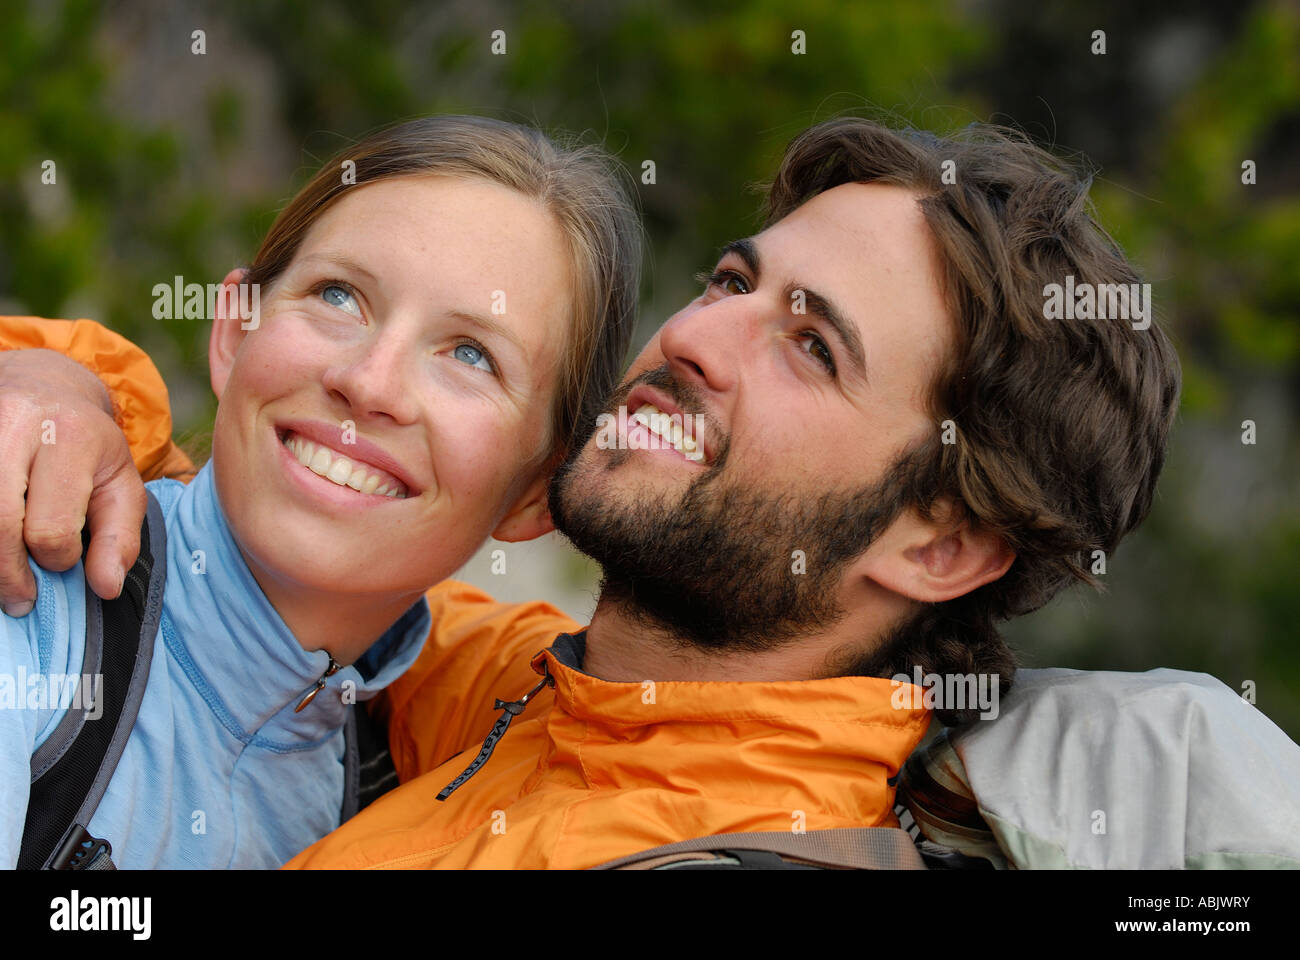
(594, 770)
(219, 771)
(1160, 770)
(137, 390)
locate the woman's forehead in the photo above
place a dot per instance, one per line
(479, 244)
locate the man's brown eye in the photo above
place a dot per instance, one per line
(819, 351)
(730, 279)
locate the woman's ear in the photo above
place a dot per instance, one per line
(934, 561)
(530, 517)
(228, 328)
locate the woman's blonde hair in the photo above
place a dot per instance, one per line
(578, 183)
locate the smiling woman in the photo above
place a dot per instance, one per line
(594, 214)
(431, 327)
(367, 364)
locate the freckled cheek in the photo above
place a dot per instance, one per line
(276, 362)
(478, 462)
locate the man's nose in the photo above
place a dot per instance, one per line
(712, 344)
(375, 380)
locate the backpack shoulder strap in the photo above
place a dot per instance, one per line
(351, 766)
(862, 848)
(72, 768)
(368, 769)
(936, 805)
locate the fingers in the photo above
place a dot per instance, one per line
(58, 443)
(115, 513)
(86, 479)
(17, 447)
(57, 492)
(17, 585)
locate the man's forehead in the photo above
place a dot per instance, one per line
(860, 244)
(879, 221)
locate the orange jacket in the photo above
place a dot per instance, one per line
(591, 770)
(594, 770)
(137, 390)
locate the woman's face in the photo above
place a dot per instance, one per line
(391, 409)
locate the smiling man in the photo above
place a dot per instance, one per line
(753, 564)
(899, 450)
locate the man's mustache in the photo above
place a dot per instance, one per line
(685, 396)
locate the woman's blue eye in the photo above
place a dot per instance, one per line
(341, 297)
(469, 354)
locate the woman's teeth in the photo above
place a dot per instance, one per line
(325, 462)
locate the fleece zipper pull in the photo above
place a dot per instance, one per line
(510, 711)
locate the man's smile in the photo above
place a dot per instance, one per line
(657, 423)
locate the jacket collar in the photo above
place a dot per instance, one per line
(237, 651)
(843, 734)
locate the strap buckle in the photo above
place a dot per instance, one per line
(79, 850)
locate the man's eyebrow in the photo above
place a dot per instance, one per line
(747, 250)
(818, 305)
(830, 315)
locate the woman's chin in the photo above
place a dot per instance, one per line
(304, 543)
(341, 572)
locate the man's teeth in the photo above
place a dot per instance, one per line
(330, 465)
(664, 426)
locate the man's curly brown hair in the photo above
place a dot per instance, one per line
(1061, 425)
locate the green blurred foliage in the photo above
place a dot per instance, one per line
(173, 163)
(1210, 581)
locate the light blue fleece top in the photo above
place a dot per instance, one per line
(219, 771)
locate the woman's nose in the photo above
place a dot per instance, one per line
(376, 379)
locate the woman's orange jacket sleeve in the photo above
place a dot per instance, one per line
(139, 395)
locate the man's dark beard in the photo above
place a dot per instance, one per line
(716, 569)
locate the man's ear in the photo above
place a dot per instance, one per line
(530, 517)
(228, 329)
(934, 561)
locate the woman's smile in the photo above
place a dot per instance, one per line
(345, 456)
(325, 473)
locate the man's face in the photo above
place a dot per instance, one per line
(807, 357)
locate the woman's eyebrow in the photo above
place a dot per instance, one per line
(490, 325)
(341, 260)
